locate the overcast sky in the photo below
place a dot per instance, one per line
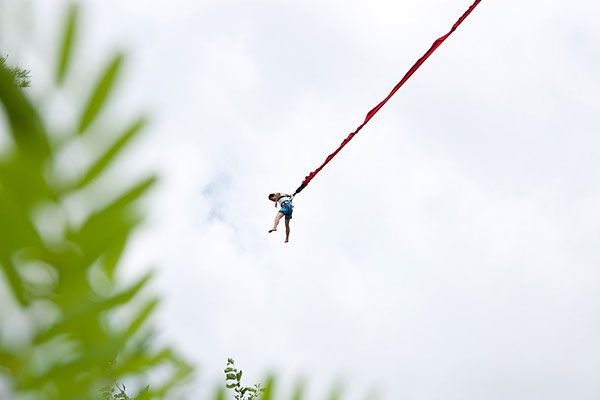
(451, 251)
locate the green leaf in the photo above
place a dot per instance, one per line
(115, 250)
(229, 369)
(127, 294)
(182, 372)
(219, 394)
(14, 280)
(104, 161)
(16, 229)
(26, 127)
(231, 385)
(298, 391)
(144, 394)
(87, 312)
(141, 360)
(68, 39)
(102, 90)
(98, 233)
(132, 194)
(23, 178)
(230, 376)
(142, 316)
(20, 75)
(269, 388)
(239, 375)
(104, 231)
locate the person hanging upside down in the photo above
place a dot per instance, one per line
(285, 202)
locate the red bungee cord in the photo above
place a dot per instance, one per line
(371, 113)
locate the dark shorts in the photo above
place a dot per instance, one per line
(287, 209)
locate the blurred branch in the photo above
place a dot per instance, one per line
(100, 94)
(65, 357)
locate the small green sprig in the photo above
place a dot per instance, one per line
(233, 377)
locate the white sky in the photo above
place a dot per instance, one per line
(449, 252)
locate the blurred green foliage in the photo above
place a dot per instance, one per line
(70, 328)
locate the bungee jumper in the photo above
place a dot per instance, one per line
(285, 202)
(370, 115)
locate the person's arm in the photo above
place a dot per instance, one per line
(277, 196)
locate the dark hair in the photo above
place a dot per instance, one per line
(271, 195)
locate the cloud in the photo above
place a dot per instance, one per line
(452, 244)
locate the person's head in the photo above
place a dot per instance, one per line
(272, 197)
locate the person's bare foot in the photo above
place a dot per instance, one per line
(272, 230)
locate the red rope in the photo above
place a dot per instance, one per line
(371, 113)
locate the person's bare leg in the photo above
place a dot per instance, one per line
(277, 218)
(287, 230)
